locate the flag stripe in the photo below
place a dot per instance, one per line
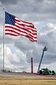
(16, 35)
(22, 33)
(25, 24)
(29, 28)
(19, 30)
(26, 30)
(18, 20)
(19, 27)
(10, 34)
(19, 34)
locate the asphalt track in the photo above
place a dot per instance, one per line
(25, 75)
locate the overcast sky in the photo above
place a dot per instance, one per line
(19, 50)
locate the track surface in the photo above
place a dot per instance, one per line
(20, 74)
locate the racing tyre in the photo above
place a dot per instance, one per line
(40, 72)
(53, 72)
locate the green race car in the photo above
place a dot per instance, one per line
(46, 72)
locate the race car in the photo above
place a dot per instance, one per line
(45, 71)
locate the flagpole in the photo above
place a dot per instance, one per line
(3, 38)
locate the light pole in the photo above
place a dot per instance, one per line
(45, 49)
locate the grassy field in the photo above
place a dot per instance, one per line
(27, 81)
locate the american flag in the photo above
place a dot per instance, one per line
(15, 27)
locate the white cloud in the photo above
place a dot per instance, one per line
(48, 28)
(49, 1)
(12, 60)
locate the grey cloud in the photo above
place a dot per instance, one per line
(6, 2)
(30, 49)
(38, 6)
(35, 10)
(24, 45)
(7, 40)
(49, 40)
(48, 59)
